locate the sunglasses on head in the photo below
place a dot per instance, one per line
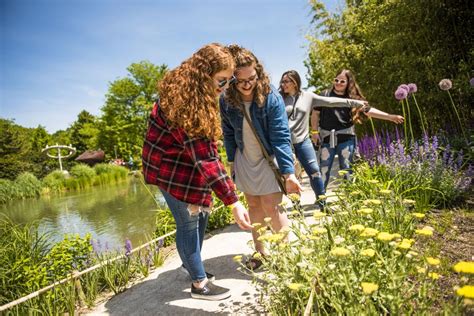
(343, 81)
(222, 83)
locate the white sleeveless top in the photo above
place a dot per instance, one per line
(253, 174)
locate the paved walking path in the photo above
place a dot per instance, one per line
(166, 291)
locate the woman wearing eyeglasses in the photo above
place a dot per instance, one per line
(252, 93)
(299, 105)
(180, 156)
(336, 125)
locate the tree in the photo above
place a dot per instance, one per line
(84, 132)
(386, 43)
(126, 110)
(14, 150)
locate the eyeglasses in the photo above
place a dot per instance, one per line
(250, 80)
(341, 81)
(286, 81)
(222, 83)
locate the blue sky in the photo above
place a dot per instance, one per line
(58, 57)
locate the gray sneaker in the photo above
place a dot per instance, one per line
(211, 277)
(210, 292)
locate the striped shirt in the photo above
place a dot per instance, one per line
(187, 168)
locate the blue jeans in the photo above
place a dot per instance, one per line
(345, 152)
(190, 231)
(306, 155)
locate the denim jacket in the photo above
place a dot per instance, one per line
(271, 124)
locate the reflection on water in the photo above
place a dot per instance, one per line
(110, 213)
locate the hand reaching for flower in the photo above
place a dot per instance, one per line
(397, 119)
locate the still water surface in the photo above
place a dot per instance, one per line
(110, 213)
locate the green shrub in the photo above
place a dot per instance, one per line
(28, 185)
(8, 191)
(82, 171)
(55, 181)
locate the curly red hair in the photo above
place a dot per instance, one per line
(188, 93)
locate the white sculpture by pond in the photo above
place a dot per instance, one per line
(47, 149)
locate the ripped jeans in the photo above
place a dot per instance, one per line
(345, 152)
(306, 155)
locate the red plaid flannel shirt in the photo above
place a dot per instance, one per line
(187, 168)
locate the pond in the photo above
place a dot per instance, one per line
(110, 213)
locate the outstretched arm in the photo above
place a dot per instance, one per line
(375, 113)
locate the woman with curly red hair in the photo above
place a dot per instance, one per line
(180, 156)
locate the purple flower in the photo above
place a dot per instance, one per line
(471, 82)
(128, 247)
(404, 87)
(412, 88)
(445, 84)
(401, 94)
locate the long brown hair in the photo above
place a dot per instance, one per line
(352, 91)
(245, 58)
(294, 76)
(188, 93)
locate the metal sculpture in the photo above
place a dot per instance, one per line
(71, 151)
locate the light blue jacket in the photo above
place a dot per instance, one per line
(271, 124)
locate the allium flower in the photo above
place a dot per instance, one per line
(445, 84)
(471, 82)
(384, 236)
(412, 88)
(404, 87)
(369, 232)
(464, 267)
(368, 287)
(401, 94)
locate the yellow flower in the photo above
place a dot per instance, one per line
(267, 219)
(386, 192)
(413, 253)
(420, 270)
(357, 228)
(322, 197)
(340, 252)
(307, 251)
(237, 258)
(424, 232)
(256, 225)
(466, 291)
(283, 204)
(366, 211)
(368, 252)
(294, 212)
(418, 215)
(319, 230)
(373, 181)
(433, 261)
(397, 235)
(372, 201)
(408, 202)
(464, 267)
(318, 215)
(384, 236)
(294, 197)
(295, 286)
(342, 172)
(369, 288)
(434, 275)
(405, 244)
(356, 192)
(342, 213)
(369, 232)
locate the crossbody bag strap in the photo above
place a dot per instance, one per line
(274, 168)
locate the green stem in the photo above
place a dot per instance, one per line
(373, 131)
(409, 121)
(422, 118)
(404, 123)
(457, 114)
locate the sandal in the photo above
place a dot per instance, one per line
(254, 262)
